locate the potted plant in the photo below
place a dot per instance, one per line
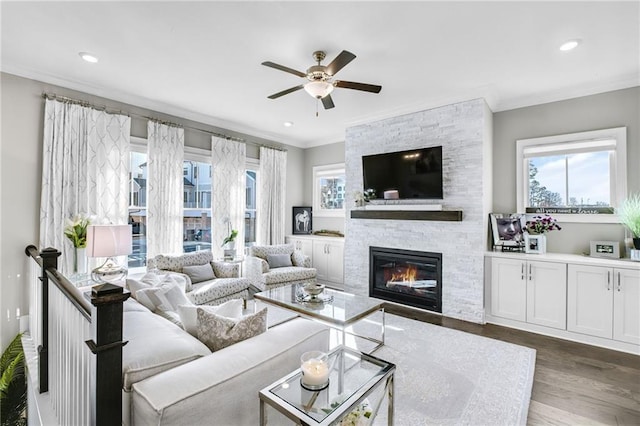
(535, 240)
(629, 214)
(229, 243)
(76, 230)
(13, 384)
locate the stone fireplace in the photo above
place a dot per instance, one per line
(406, 276)
(464, 132)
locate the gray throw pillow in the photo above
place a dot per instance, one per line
(279, 260)
(218, 332)
(199, 273)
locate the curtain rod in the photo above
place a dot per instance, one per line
(53, 96)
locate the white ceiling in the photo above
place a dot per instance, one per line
(201, 60)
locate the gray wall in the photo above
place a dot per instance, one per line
(612, 109)
(321, 156)
(20, 175)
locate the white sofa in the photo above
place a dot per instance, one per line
(171, 378)
(266, 271)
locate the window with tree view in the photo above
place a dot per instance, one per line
(577, 174)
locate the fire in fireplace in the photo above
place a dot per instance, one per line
(406, 276)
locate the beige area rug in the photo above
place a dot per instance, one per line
(449, 377)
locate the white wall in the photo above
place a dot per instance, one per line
(22, 115)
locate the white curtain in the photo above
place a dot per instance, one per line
(271, 196)
(165, 157)
(228, 162)
(85, 170)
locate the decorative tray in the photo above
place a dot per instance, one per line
(320, 298)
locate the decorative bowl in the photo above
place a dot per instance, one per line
(313, 289)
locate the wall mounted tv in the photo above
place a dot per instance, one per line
(415, 174)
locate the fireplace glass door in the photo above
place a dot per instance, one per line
(406, 276)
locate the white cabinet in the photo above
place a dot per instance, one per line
(529, 291)
(328, 259)
(326, 253)
(547, 294)
(604, 302)
(305, 245)
(508, 289)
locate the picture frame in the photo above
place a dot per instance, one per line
(301, 219)
(535, 244)
(606, 249)
(508, 229)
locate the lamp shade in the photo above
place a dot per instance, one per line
(108, 240)
(318, 89)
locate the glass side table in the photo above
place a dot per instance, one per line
(354, 376)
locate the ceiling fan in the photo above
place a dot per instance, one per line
(320, 82)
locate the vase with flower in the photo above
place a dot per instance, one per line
(76, 230)
(364, 197)
(535, 240)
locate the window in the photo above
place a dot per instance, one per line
(196, 222)
(138, 202)
(328, 190)
(577, 177)
(251, 208)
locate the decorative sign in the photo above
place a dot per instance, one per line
(570, 210)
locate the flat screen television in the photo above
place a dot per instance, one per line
(415, 174)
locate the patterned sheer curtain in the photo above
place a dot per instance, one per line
(165, 156)
(228, 162)
(271, 196)
(85, 170)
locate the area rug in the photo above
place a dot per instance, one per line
(449, 377)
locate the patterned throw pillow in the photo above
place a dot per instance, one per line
(199, 273)
(218, 332)
(189, 313)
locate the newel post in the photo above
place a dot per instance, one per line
(49, 258)
(106, 368)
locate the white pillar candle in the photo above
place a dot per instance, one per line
(315, 371)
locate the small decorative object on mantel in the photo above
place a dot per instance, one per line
(76, 230)
(534, 239)
(629, 214)
(364, 197)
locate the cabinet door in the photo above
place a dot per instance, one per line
(547, 294)
(335, 262)
(590, 300)
(302, 244)
(320, 260)
(508, 289)
(626, 306)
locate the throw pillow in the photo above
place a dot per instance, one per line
(199, 273)
(165, 297)
(218, 332)
(279, 260)
(189, 313)
(147, 280)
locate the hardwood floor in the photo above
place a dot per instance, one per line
(574, 384)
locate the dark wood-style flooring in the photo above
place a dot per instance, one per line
(574, 384)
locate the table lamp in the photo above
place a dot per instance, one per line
(108, 241)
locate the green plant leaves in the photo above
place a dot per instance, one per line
(13, 384)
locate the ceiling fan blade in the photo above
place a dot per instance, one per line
(358, 86)
(285, 92)
(327, 102)
(340, 62)
(283, 68)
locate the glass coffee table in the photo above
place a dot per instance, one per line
(354, 377)
(336, 309)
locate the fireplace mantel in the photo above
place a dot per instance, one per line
(437, 215)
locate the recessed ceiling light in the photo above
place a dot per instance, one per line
(288, 123)
(569, 45)
(88, 57)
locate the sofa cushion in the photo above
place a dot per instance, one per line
(203, 293)
(291, 273)
(154, 345)
(199, 273)
(226, 269)
(263, 251)
(151, 279)
(177, 262)
(218, 332)
(189, 313)
(165, 297)
(278, 260)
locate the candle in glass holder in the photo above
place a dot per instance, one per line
(315, 369)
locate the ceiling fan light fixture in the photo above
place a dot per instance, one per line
(318, 89)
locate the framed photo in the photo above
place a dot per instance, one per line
(535, 244)
(508, 229)
(610, 249)
(302, 220)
